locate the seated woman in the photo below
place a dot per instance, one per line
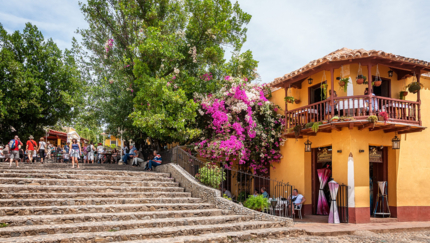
(115, 156)
(328, 106)
(156, 161)
(375, 107)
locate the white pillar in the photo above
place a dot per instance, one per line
(351, 183)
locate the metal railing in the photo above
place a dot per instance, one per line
(240, 184)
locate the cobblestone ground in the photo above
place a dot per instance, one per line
(360, 236)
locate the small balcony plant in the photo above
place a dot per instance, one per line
(377, 82)
(258, 203)
(289, 99)
(403, 94)
(344, 84)
(324, 91)
(414, 87)
(373, 119)
(361, 79)
(335, 119)
(383, 116)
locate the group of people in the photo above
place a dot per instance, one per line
(16, 151)
(337, 111)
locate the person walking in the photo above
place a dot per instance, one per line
(41, 149)
(31, 146)
(75, 152)
(14, 150)
(90, 153)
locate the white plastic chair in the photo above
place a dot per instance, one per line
(298, 208)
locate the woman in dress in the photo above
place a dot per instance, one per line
(75, 152)
(41, 149)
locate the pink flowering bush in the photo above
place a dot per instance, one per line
(241, 126)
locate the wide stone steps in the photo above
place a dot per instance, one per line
(88, 182)
(146, 233)
(85, 172)
(62, 189)
(233, 236)
(82, 195)
(98, 217)
(85, 177)
(52, 210)
(118, 225)
(91, 201)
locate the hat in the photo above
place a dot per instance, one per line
(1, 147)
(31, 137)
(100, 143)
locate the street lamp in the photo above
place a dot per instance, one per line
(308, 146)
(390, 73)
(310, 80)
(396, 142)
(122, 143)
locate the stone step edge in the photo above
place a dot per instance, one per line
(163, 232)
(233, 236)
(79, 180)
(90, 171)
(114, 224)
(33, 217)
(22, 187)
(138, 178)
(91, 193)
(95, 199)
(101, 206)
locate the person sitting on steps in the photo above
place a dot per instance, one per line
(154, 162)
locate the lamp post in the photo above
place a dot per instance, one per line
(396, 142)
(308, 146)
(122, 142)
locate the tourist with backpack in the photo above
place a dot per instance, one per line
(30, 148)
(41, 149)
(14, 150)
(90, 153)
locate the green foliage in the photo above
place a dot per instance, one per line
(257, 203)
(346, 81)
(161, 51)
(316, 126)
(40, 84)
(372, 118)
(3, 225)
(324, 91)
(297, 128)
(289, 99)
(414, 87)
(226, 197)
(242, 196)
(335, 118)
(309, 125)
(211, 175)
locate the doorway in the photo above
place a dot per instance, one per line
(384, 90)
(321, 159)
(378, 171)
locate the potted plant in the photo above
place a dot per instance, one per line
(346, 118)
(297, 101)
(316, 126)
(383, 116)
(335, 119)
(377, 82)
(361, 79)
(373, 119)
(414, 87)
(258, 203)
(297, 130)
(324, 91)
(289, 99)
(309, 125)
(344, 83)
(324, 122)
(403, 94)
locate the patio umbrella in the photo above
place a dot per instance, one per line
(322, 207)
(333, 217)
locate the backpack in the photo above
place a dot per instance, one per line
(12, 144)
(89, 148)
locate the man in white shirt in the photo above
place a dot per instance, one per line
(297, 199)
(100, 150)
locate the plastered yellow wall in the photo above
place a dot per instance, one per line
(112, 138)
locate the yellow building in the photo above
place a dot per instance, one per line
(354, 138)
(110, 140)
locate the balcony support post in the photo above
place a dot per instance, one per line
(369, 87)
(332, 91)
(419, 97)
(287, 125)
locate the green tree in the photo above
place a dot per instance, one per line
(39, 83)
(149, 57)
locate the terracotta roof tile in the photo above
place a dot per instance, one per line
(346, 54)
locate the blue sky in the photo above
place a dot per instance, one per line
(283, 34)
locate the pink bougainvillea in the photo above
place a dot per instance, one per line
(242, 126)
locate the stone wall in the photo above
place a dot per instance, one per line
(210, 195)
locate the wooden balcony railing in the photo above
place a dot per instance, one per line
(359, 107)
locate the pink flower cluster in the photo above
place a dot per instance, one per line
(243, 126)
(206, 77)
(108, 45)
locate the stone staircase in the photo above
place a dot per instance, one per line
(54, 203)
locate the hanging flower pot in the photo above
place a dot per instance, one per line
(289, 99)
(403, 94)
(343, 83)
(361, 79)
(377, 83)
(414, 87)
(297, 101)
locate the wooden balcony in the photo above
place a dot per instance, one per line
(403, 115)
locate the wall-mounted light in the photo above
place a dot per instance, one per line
(337, 78)
(308, 146)
(310, 80)
(339, 151)
(390, 73)
(396, 142)
(361, 151)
